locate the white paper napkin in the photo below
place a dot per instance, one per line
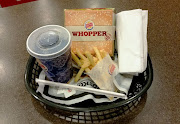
(131, 33)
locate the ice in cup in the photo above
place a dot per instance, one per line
(51, 46)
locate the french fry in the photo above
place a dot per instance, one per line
(89, 56)
(79, 62)
(82, 61)
(80, 55)
(90, 67)
(85, 64)
(95, 59)
(98, 61)
(79, 75)
(103, 53)
(89, 62)
(97, 53)
(76, 59)
(87, 70)
(86, 61)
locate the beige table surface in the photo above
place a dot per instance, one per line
(162, 104)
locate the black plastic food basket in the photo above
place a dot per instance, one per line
(88, 111)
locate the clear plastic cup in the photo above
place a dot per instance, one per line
(51, 46)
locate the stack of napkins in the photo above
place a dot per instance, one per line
(131, 33)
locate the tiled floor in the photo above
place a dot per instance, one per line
(162, 105)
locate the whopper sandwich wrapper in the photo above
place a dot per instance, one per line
(91, 28)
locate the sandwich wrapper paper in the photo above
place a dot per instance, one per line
(131, 34)
(57, 95)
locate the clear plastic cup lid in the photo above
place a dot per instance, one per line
(48, 42)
